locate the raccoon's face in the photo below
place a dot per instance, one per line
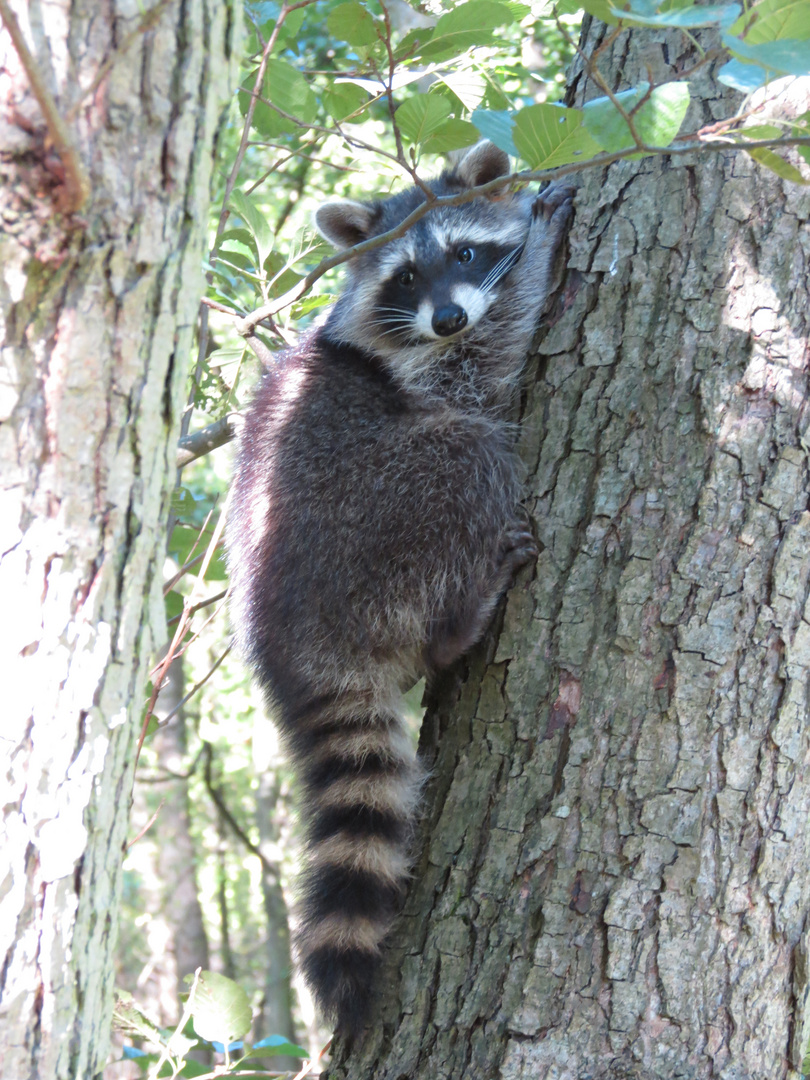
(439, 280)
(420, 293)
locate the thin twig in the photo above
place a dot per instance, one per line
(147, 826)
(77, 184)
(222, 806)
(409, 167)
(198, 685)
(190, 447)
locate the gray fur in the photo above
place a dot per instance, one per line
(376, 521)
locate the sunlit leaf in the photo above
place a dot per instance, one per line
(344, 99)
(774, 20)
(287, 88)
(420, 116)
(777, 164)
(657, 122)
(468, 86)
(221, 1010)
(600, 9)
(353, 23)
(255, 221)
(310, 303)
(452, 135)
(547, 136)
(464, 26)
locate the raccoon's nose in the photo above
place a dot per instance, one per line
(449, 320)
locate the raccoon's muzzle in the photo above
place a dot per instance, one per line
(448, 320)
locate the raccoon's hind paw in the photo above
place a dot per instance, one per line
(518, 548)
(553, 198)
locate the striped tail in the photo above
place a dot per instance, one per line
(360, 783)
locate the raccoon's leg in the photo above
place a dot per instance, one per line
(525, 295)
(360, 784)
(455, 635)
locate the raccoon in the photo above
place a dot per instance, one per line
(375, 523)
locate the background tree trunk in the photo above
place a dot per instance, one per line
(96, 314)
(613, 880)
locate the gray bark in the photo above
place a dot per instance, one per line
(613, 878)
(275, 1016)
(95, 320)
(180, 902)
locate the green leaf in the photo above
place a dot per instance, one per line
(498, 127)
(353, 23)
(802, 127)
(277, 1046)
(743, 77)
(465, 26)
(657, 121)
(774, 20)
(182, 501)
(411, 44)
(468, 86)
(547, 136)
(641, 13)
(452, 135)
(310, 303)
(241, 236)
(762, 131)
(600, 9)
(287, 88)
(420, 116)
(255, 221)
(787, 57)
(292, 24)
(778, 165)
(226, 356)
(220, 1009)
(343, 99)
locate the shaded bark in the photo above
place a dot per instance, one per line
(96, 315)
(180, 905)
(275, 1016)
(612, 882)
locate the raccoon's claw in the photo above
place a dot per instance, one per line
(551, 199)
(517, 549)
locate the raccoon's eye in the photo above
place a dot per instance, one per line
(405, 277)
(465, 255)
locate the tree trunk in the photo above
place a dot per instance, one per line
(275, 1014)
(96, 312)
(613, 880)
(179, 905)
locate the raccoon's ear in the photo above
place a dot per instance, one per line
(484, 162)
(344, 222)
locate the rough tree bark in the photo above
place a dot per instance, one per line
(96, 311)
(613, 879)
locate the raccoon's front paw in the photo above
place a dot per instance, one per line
(556, 197)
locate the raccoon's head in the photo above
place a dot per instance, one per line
(418, 295)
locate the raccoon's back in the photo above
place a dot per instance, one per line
(307, 536)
